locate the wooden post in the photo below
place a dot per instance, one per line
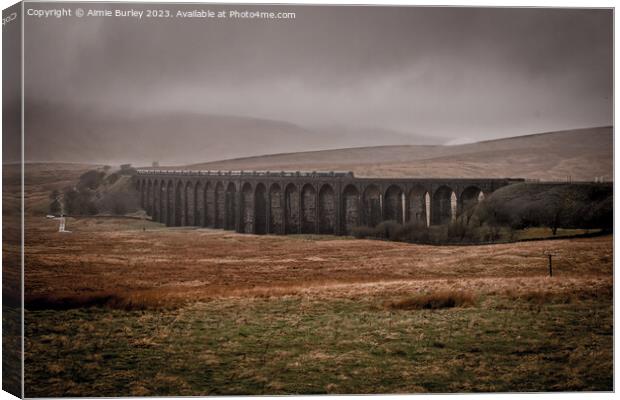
(549, 255)
(550, 264)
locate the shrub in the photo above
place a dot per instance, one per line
(91, 180)
(55, 206)
(362, 232)
(121, 300)
(438, 234)
(118, 199)
(457, 230)
(388, 230)
(71, 199)
(119, 208)
(127, 170)
(89, 208)
(523, 205)
(79, 202)
(112, 178)
(415, 232)
(435, 300)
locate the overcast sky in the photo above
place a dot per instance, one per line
(461, 74)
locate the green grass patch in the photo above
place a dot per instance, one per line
(297, 345)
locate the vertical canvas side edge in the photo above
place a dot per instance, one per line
(12, 201)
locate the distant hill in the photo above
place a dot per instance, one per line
(56, 133)
(581, 154)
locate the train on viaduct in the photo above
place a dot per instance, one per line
(264, 202)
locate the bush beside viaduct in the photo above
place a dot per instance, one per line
(263, 202)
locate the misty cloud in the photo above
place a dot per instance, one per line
(444, 72)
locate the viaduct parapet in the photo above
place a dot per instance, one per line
(263, 202)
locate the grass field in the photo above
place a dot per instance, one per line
(126, 307)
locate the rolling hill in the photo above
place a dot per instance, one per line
(55, 133)
(580, 154)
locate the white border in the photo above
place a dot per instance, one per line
(466, 3)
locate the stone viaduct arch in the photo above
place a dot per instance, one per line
(261, 210)
(418, 205)
(308, 209)
(276, 207)
(170, 203)
(247, 208)
(470, 196)
(199, 202)
(156, 206)
(327, 210)
(303, 202)
(140, 188)
(372, 202)
(149, 198)
(210, 205)
(443, 208)
(230, 207)
(291, 209)
(179, 199)
(189, 210)
(220, 206)
(394, 204)
(351, 209)
(161, 199)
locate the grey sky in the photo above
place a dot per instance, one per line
(455, 73)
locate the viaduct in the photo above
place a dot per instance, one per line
(262, 202)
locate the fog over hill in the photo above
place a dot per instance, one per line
(580, 154)
(120, 136)
(212, 141)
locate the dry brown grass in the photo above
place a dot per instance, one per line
(234, 314)
(581, 153)
(115, 263)
(435, 300)
(551, 296)
(39, 181)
